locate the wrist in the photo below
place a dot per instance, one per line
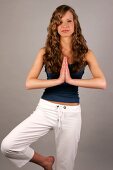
(71, 81)
(60, 81)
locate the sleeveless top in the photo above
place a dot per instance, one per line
(63, 92)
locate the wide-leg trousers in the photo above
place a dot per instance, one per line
(64, 120)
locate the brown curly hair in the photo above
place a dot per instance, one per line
(53, 52)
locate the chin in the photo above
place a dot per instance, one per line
(65, 35)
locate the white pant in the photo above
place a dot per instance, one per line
(64, 120)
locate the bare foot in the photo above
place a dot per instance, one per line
(48, 162)
(45, 162)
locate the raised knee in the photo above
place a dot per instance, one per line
(5, 147)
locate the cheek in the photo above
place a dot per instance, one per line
(58, 29)
(72, 27)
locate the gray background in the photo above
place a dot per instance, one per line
(23, 25)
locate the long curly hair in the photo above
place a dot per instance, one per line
(53, 51)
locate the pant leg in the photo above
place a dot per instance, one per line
(67, 136)
(16, 145)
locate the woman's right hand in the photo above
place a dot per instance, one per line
(63, 71)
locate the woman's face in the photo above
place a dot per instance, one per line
(66, 28)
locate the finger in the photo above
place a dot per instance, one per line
(63, 66)
(66, 61)
(63, 63)
(67, 69)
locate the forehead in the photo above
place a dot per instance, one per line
(67, 15)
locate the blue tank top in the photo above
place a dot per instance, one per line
(63, 92)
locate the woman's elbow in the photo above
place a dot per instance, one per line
(27, 85)
(103, 84)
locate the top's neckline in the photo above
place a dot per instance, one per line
(70, 63)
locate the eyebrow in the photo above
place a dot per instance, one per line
(69, 18)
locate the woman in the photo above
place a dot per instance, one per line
(65, 57)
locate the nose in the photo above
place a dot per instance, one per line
(65, 24)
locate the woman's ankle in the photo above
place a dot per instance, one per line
(45, 162)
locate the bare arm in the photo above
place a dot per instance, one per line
(32, 81)
(97, 81)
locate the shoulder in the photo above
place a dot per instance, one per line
(40, 54)
(42, 51)
(90, 56)
(39, 57)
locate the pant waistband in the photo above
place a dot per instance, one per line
(56, 105)
(60, 108)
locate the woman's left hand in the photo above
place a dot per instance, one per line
(67, 72)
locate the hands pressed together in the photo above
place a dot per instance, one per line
(64, 72)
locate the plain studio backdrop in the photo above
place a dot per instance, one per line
(23, 30)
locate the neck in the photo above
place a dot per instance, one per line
(66, 47)
(65, 43)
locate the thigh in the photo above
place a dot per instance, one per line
(70, 125)
(67, 138)
(29, 130)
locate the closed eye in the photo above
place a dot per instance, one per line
(69, 20)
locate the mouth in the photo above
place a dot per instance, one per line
(65, 31)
